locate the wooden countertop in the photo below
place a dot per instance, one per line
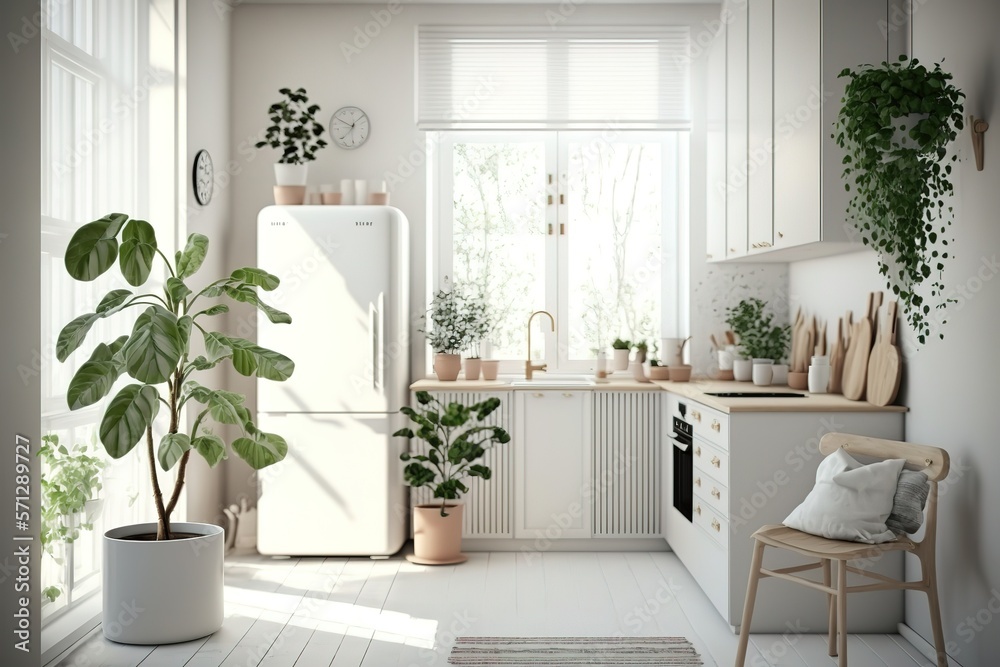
(694, 390)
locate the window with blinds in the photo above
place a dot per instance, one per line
(537, 78)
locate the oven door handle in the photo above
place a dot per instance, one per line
(678, 444)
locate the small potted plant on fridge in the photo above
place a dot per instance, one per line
(451, 331)
(170, 570)
(294, 131)
(454, 437)
(622, 349)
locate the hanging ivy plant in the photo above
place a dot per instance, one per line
(896, 121)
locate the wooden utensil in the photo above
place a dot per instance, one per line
(885, 364)
(837, 360)
(730, 338)
(856, 359)
(821, 341)
(715, 343)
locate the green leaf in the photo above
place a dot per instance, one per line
(154, 348)
(223, 409)
(217, 309)
(137, 252)
(95, 378)
(128, 415)
(258, 277)
(247, 294)
(172, 447)
(424, 397)
(216, 346)
(176, 289)
(190, 260)
(404, 433)
(480, 471)
(198, 392)
(416, 474)
(211, 447)
(112, 301)
(184, 324)
(250, 359)
(93, 248)
(262, 450)
(73, 335)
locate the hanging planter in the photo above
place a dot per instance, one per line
(896, 121)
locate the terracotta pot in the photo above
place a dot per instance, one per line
(289, 195)
(472, 367)
(331, 198)
(378, 198)
(659, 373)
(680, 373)
(621, 360)
(491, 368)
(437, 540)
(798, 380)
(447, 366)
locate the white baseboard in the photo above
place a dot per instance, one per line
(921, 644)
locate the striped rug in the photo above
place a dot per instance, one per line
(573, 651)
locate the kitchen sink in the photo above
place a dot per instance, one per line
(554, 381)
(755, 394)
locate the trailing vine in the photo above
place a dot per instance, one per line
(896, 121)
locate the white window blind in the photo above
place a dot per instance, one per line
(537, 78)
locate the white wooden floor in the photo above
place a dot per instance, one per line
(313, 612)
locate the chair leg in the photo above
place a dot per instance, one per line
(831, 604)
(935, 612)
(755, 564)
(842, 613)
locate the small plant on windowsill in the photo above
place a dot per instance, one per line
(621, 349)
(69, 499)
(479, 320)
(641, 348)
(896, 121)
(453, 329)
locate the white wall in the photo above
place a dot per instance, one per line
(206, 89)
(950, 385)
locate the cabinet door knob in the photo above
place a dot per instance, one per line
(698, 510)
(716, 525)
(567, 394)
(716, 426)
(716, 493)
(538, 394)
(697, 452)
(697, 482)
(696, 415)
(716, 461)
(780, 235)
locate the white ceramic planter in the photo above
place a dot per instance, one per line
(762, 372)
(162, 592)
(742, 370)
(290, 174)
(779, 374)
(621, 360)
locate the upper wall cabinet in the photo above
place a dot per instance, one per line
(785, 199)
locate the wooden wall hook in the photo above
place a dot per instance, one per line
(978, 128)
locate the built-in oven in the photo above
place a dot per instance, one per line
(681, 439)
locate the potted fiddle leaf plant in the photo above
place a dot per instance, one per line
(165, 578)
(896, 121)
(451, 331)
(294, 131)
(454, 437)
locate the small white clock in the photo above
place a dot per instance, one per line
(349, 127)
(203, 177)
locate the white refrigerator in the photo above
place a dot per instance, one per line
(344, 281)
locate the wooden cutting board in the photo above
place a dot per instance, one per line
(856, 358)
(837, 360)
(884, 367)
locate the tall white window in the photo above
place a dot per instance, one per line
(584, 225)
(108, 145)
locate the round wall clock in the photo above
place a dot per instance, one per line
(203, 178)
(349, 127)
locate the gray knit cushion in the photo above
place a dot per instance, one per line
(908, 503)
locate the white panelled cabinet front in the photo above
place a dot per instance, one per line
(552, 453)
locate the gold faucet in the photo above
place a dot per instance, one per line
(528, 366)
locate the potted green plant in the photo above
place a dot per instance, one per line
(656, 371)
(70, 503)
(455, 437)
(477, 315)
(895, 122)
(762, 343)
(294, 131)
(170, 570)
(641, 348)
(451, 331)
(621, 349)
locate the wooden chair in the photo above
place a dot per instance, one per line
(934, 463)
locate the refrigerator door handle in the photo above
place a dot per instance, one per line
(380, 342)
(373, 336)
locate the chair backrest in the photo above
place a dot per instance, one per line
(932, 461)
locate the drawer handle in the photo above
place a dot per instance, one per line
(697, 482)
(696, 415)
(568, 394)
(716, 461)
(717, 525)
(698, 510)
(717, 493)
(697, 452)
(538, 395)
(716, 426)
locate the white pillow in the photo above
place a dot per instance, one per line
(850, 501)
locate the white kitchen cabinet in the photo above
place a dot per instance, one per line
(715, 142)
(736, 130)
(552, 450)
(751, 469)
(783, 57)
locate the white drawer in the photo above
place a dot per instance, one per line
(709, 424)
(711, 461)
(711, 522)
(712, 492)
